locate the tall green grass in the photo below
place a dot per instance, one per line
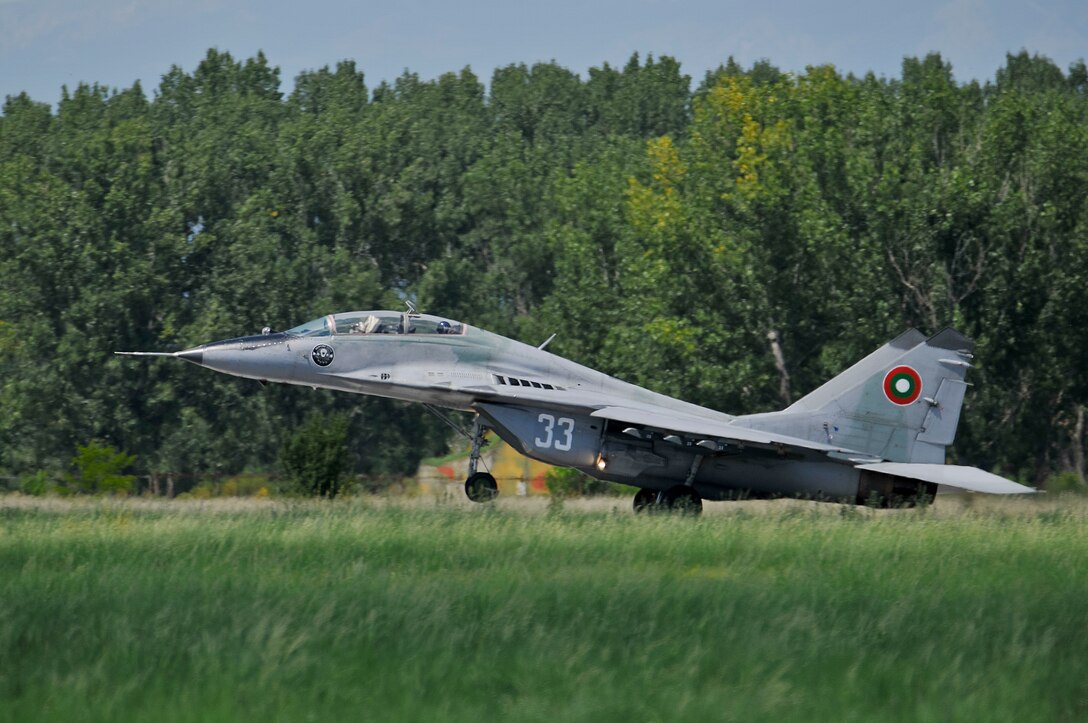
(428, 611)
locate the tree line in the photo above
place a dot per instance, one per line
(733, 241)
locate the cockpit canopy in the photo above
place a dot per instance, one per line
(377, 322)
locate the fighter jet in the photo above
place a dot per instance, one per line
(876, 434)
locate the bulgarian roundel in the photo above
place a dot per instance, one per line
(902, 385)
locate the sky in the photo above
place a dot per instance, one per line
(46, 44)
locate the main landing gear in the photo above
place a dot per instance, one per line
(480, 486)
(678, 498)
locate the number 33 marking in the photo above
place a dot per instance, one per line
(563, 440)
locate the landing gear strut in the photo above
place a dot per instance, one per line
(480, 486)
(678, 498)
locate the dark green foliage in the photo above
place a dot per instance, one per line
(97, 468)
(667, 236)
(35, 484)
(315, 457)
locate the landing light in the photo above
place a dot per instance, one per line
(601, 462)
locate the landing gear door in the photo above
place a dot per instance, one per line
(555, 437)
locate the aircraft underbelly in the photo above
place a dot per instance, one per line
(752, 472)
(770, 477)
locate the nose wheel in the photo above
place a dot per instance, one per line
(481, 487)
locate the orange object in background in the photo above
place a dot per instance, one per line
(516, 475)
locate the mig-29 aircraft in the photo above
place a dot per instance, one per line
(875, 434)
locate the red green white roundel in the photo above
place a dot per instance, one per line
(902, 385)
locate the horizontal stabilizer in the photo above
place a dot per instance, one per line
(971, 479)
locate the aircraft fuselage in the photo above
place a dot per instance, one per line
(879, 429)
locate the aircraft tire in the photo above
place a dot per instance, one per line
(481, 487)
(683, 500)
(645, 500)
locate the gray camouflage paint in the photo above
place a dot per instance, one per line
(844, 441)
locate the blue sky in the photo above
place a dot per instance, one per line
(45, 44)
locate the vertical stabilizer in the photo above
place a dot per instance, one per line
(901, 403)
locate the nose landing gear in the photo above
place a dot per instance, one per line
(480, 486)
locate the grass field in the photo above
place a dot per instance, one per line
(433, 610)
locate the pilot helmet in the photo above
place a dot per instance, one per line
(443, 327)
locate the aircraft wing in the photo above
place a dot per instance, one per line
(971, 479)
(709, 429)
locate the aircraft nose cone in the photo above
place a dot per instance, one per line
(265, 357)
(194, 355)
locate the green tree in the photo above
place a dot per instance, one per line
(734, 246)
(644, 100)
(315, 457)
(98, 468)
